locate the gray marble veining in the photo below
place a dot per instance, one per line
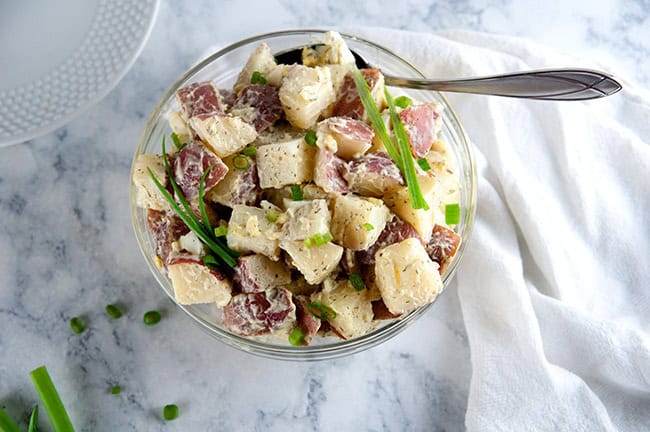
(67, 248)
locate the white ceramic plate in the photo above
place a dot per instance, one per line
(58, 58)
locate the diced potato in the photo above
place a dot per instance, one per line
(353, 309)
(195, 283)
(333, 50)
(223, 134)
(348, 138)
(422, 220)
(305, 93)
(262, 61)
(189, 243)
(285, 163)
(316, 262)
(300, 286)
(180, 128)
(237, 187)
(306, 220)
(277, 134)
(257, 273)
(349, 217)
(406, 276)
(148, 195)
(250, 231)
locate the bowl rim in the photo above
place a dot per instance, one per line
(339, 348)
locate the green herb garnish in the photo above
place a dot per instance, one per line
(321, 311)
(77, 325)
(204, 213)
(250, 151)
(424, 164)
(177, 141)
(357, 282)
(221, 231)
(241, 162)
(51, 400)
(308, 242)
(151, 317)
(403, 101)
(452, 214)
(318, 239)
(258, 78)
(7, 424)
(33, 420)
(297, 337)
(115, 390)
(113, 311)
(296, 193)
(368, 226)
(271, 216)
(170, 412)
(310, 138)
(211, 262)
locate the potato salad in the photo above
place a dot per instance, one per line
(287, 202)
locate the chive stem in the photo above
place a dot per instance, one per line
(51, 400)
(33, 420)
(204, 214)
(6, 423)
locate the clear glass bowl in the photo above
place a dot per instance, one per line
(222, 68)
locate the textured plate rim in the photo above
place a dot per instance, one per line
(90, 102)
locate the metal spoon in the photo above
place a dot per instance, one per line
(548, 84)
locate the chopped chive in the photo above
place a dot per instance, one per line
(211, 262)
(77, 325)
(258, 78)
(452, 214)
(403, 101)
(115, 390)
(33, 420)
(221, 231)
(296, 193)
(424, 164)
(51, 400)
(7, 424)
(151, 317)
(308, 242)
(368, 226)
(204, 214)
(241, 162)
(310, 138)
(321, 311)
(250, 151)
(271, 216)
(321, 239)
(113, 311)
(357, 282)
(170, 412)
(408, 163)
(297, 337)
(177, 141)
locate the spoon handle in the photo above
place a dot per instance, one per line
(558, 84)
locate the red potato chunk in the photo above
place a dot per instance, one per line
(190, 165)
(259, 105)
(329, 172)
(419, 122)
(165, 229)
(348, 102)
(259, 313)
(200, 100)
(307, 322)
(442, 246)
(373, 174)
(228, 98)
(237, 187)
(395, 231)
(257, 273)
(353, 137)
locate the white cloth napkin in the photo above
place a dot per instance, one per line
(555, 283)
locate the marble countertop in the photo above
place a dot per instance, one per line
(67, 247)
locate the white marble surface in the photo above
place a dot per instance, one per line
(67, 248)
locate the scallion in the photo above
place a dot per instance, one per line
(368, 226)
(424, 164)
(297, 337)
(308, 242)
(51, 400)
(271, 216)
(77, 325)
(321, 239)
(177, 141)
(357, 282)
(170, 412)
(250, 150)
(258, 78)
(310, 138)
(33, 420)
(403, 101)
(321, 311)
(7, 424)
(221, 231)
(113, 311)
(241, 162)
(296, 193)
(211, 262)
(452, 214)
(151, 317)
(115, 390)
(204, 213)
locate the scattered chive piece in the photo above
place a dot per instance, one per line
(321, 239)
(424, 164)
(211, 262)
(308, 242)
(77, 325)
(221, 231)
(250, 151)
(204, 214)
(113, 311)
(297, 337)
(115, 390)
(271, 216)
(7, 424)
(258, 78)
(408, 163)
(321, 311)
(403, 101)
(296, 193)
(357, 282)
(368, 226)
(310, 138)
(241, 162)
(51, 400)
(151, 318)
(452, 214)
(177, 141)
(33, 420)
(170, 412)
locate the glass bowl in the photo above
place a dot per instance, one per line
(222, 68)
